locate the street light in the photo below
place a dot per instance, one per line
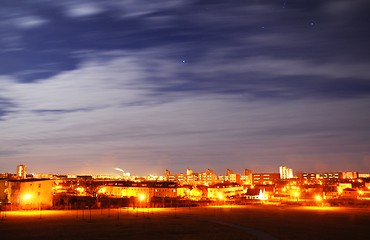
(27, 201)
(221, 197)
(27, 197)
(318, 199)
(142, 197)
(360, 193)
(296, 195)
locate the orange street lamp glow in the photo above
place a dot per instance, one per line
(318, 198)
(27, 197)
(220, 196)
(142, 197)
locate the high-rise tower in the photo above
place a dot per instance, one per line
(21, 171)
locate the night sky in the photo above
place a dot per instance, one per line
(143, 85)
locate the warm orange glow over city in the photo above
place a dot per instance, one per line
(224, 200)
(184, 119)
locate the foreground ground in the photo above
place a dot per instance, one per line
(225, 222)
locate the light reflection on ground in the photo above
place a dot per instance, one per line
(214, 222)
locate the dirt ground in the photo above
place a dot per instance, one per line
(224, 222)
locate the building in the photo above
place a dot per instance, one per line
(265, 178)
(222, 179)
(285, 172)
(342, 186)
(167, 173)
(30, 193)
(21, 171)
(221, 192)
(350, 193)
(3, 191)
(235, 178)
(364, 175)
(349, 175)
(228, 172)
(192, 179)
(331, 176)
(189, 172)
(181, 178)
(247, 172)
(310, 176)
(247, 178)
(145, 190)
(207, 178)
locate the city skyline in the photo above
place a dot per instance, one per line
(89, 86)
(285, 172)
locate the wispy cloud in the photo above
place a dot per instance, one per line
(184, 82)
(125, 8)
(27, 22)
(83, 9)
(90, 112)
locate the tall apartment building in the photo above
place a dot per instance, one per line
(207, 178)
(228, 172)
(246, 178)
(235, 178)
(189, 171)
(247, 172)
(285, 172)
(21, 171)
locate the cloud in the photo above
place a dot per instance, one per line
(21, 19)
(83, 9)
(200, 82)
(77, 89)
(122, 9)
(27, 22)
(113, 105)
(299, 67)
(270, 77)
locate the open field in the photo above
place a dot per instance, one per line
(224, 222)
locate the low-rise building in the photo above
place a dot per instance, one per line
(265, 178)
(349, 175)
(349, 193)
(220, 191)
(145, 190)
(30, 193)
(332, 176)
(3, 191)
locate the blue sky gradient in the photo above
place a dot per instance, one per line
(87, 86)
